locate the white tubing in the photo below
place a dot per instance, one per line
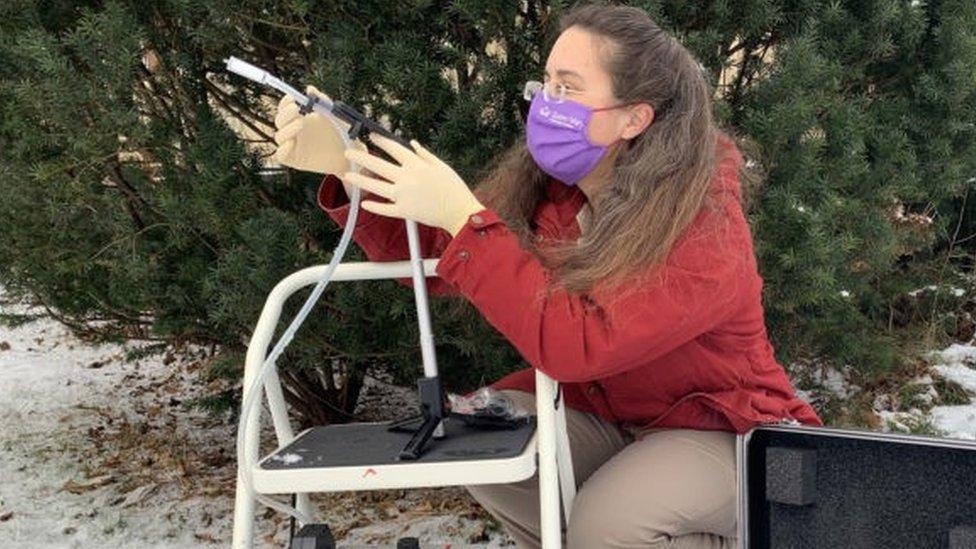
(252, 392)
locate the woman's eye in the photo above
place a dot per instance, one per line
(568, 88)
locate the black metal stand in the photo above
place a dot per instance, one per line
(433, 411)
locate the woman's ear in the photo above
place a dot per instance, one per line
(639, 117)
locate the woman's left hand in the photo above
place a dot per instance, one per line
(422, 188)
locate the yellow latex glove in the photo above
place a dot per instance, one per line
(421, 188)
(309, 142)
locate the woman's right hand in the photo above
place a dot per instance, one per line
(310, 142)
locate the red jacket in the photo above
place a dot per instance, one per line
(689, 352)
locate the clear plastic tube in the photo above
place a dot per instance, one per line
(252, 394)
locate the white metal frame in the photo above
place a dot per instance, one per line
(550, 443)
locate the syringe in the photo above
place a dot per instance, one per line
(307, 103)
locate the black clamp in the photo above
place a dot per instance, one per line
(309, 105)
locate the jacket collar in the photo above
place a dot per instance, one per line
(559, 192)
(566, 202)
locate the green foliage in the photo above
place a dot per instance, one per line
(133, 210)
(867, 106)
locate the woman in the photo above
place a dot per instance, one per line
(611, 249)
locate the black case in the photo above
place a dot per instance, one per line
(803, 486)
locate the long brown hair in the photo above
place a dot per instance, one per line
(659, 180)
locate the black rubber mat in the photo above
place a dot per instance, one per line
(374, 444)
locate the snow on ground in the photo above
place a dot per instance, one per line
(819, 384)
(957, 363)
(57, 396)
(816, 382)
(98, 451)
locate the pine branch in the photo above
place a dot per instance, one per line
(156, 96)
(132, 197)
(303, 29)
(224, 99)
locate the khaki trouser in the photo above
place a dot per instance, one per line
(661, 488)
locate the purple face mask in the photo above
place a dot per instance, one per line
(557, 138)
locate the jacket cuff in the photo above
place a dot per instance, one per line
(468, 256)
(332, 199)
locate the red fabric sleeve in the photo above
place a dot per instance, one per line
(576, 339)
(381, 237)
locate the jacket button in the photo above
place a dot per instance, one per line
(476, 219)
(464, 255)
(482, 232)
(539, 237)
(592, 389)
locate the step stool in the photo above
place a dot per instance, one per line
(364, 456)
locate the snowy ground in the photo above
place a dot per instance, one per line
(913, 407)
(956, 363)
(97, 451)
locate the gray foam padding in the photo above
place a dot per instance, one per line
(868, 493)
(373, 444)
(791, 475)
(963, 537)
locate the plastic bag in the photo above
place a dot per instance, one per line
(486, 402)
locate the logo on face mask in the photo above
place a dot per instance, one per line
(558, 118)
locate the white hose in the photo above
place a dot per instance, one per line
(252, 394)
